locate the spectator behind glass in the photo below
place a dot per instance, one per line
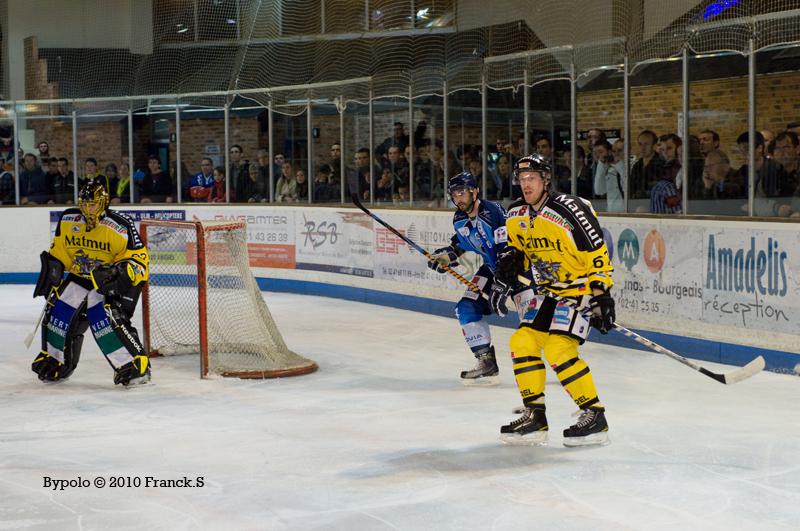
(156, 186)
(44, 150)
(90, 172)
(336, 160)
(302, 186)
(585, 180)
(510, 188)
(33, 188)
(123, 187)
(721, 186)
(645, 171)
(239, 173)
(545, 149)
(286, 188)
(201, 183)
(6, 144)
(277, 164)
(63, 182)
(608, 182)
(7, 192)
(400, 138)
(217, 192)
(50, 169)
(773, 186)
(113, 179)
(362, 174)
(323, 191)
(664, 197)
(709, 141)
(787, 154)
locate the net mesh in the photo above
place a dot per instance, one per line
(242, 338)
(406, 47)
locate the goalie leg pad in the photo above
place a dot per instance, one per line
(59, 319)
(118, 341)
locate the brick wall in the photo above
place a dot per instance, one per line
(719, 104)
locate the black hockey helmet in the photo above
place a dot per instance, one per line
(536, 163)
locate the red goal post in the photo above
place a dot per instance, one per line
(202, 298)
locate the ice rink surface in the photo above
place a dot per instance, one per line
(384, 436)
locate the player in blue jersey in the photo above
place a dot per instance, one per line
(480, 227)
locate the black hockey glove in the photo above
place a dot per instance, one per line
(50, 275)
(135, 371)
(510, 264)
(444, 256)
(47, 367)
(112, 280)
(498, 297)
(603, 314)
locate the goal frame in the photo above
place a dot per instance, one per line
(202, 300)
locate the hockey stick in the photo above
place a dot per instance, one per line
(737, 375)
(472, 287)
(753, 367)
(29, 338)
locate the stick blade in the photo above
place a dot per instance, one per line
(752, 368)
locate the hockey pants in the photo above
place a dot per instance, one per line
(553, 332)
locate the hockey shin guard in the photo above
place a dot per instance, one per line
(574, 374)
(529, 371)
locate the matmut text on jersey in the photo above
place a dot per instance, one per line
(114, 239)
(563, 243)
(485, 234)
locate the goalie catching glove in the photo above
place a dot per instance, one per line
(113, 280)
(603, 315)
(444, 256)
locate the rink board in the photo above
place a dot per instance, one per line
(717, 290)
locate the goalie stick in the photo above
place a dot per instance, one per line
(737, 375)
(29, 338)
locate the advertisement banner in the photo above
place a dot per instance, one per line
(135, 215)
(334, 241)
(656, 268)
(395, 260)
(750, 278)
(270, 233)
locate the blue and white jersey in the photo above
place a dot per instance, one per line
(198, 179)
(485, 235)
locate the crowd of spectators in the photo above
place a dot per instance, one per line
(657, 177)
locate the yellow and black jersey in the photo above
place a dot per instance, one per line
(113, 240)
(562, 242)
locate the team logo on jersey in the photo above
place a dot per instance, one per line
(75, 228)
(523, 225)
(464, 231)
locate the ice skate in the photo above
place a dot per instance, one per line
(591, 429)
(485, 372)
(529, 429)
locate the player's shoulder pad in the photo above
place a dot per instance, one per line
(458, 215)
(578, 213)
(124, 225)
(496, 210)
(519, 208)
(72, 214)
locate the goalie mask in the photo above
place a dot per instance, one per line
(93, 201)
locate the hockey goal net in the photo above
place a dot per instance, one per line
(202, 299)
